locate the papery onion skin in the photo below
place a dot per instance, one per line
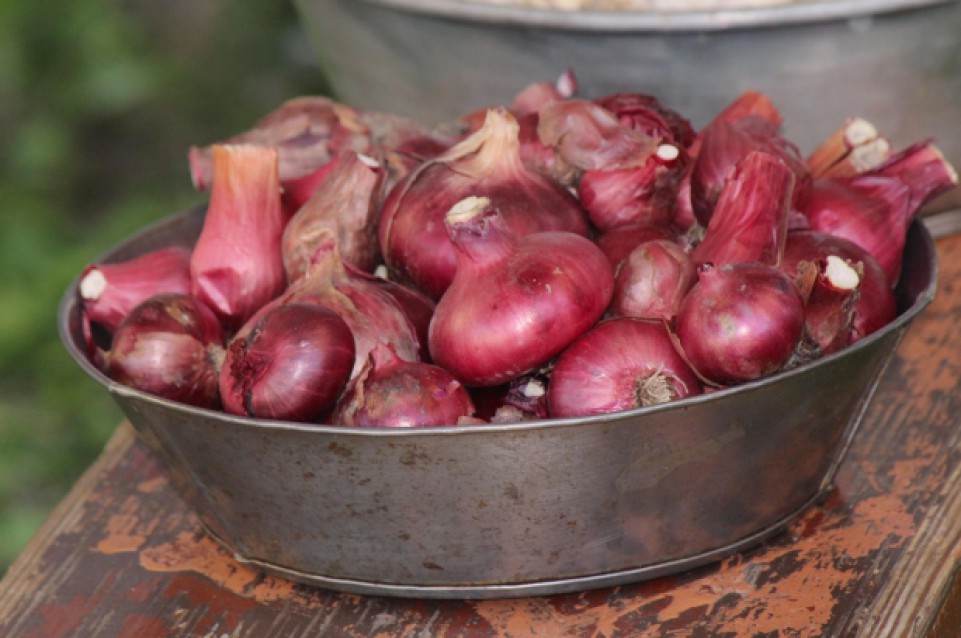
(740, 322)
(291, 364)
(537, 95)
(652, 281)
(373, 314)
(296, 192)
(750, 219)
(618, 242)
(872, 211)
(412, 236)
(236, 265)
(829, 309)
(346, 203)
(393, 393)
(723, 144)
(515, 302)
(876, 305)
(418, 307)
(171, 346)
(619, 364)
(643, 194)
(645, 113)
(588, 136)
(109, 291)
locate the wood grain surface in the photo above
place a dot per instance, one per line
(123, 556)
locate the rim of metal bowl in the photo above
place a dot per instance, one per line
(70, 301)
(796, 12)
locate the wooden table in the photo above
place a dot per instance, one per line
(123, 556)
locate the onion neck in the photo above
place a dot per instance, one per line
(493, 149)
(478, 232)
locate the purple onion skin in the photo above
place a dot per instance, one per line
(393, 393)
(291, 365)
(516, 302)
(620, 364)
(740, 322)
(171, 346)
(876, 305)
(618, 242)
(652, 281)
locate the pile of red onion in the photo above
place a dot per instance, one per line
(556, 257)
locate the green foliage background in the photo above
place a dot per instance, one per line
(99, 102)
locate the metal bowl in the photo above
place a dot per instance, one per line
(532, 508)
(894, 62)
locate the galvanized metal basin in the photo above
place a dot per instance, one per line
(894, 62)
(510, 510)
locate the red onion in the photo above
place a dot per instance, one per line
(291, 364)
(829, 309)
(373, 314)
(749, 103)
(618, 242)
(347, 203)
(646, 114)
(740, 322)
(237, 266)
(110, 291)
(620, 364)
(540, 157)
(516, 301)
(171, 346)
(588, 136)
(308, 132)
(652, 281)
(296, 192)
(412, 235)
(391, 392)
(642, 194)
(750, 219)
(875, 306)
(870, 210)
(725, 143)
(534, 97)
(418, 307)
(925, 171)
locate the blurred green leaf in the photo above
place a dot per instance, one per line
(99, 103)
